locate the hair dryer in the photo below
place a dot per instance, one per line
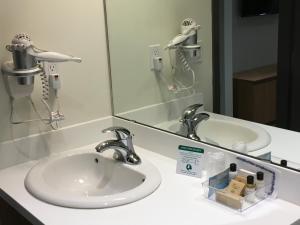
(26, 57)
(187, 50)
(18, 74)
(51, 56)
(189, 29)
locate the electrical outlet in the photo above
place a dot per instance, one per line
(50, 68)
(156, 61)
(155, 51)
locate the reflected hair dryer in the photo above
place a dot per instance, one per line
(188, 35)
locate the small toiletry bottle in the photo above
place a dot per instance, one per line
(250, 189)
(260, 185)
(232, 171)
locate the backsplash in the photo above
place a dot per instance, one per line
(41, 145)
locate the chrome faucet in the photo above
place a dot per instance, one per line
(190, 120)
(123, 146)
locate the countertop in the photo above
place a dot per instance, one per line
(178, 200)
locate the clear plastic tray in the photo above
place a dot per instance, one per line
(239, 204)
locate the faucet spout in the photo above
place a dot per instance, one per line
(123, 147)
(191, 120)
(192, 129)
(110, 144)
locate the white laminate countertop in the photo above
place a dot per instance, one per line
(178, 201)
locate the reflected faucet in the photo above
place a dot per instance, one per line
(123, 146)
(191, 120)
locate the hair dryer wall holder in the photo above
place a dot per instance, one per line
(19, 83)
(192, 52)
(23, 76)
(18, 75)
(190, 47)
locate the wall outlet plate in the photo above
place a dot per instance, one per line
(50, 68)
(155, 57)
(155, 51)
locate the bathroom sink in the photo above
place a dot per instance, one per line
(239, 136)
(89, 180)
(231, 134)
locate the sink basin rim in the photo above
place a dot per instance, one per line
(263, 137)
(37, 187)
(262, 141)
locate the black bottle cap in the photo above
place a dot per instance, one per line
(232, 167)
(283, 163)
(260, 175)
(250, 179)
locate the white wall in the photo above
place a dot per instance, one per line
(255, 40)
(136, 24)
(73, 27)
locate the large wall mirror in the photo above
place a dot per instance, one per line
(213, 71)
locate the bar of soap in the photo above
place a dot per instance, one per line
(241, 179)
(229, 199)
(236, 187)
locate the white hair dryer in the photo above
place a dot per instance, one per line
(52, 56)
(189, 29)
(29, 61)
(187, 50)
(26, 57)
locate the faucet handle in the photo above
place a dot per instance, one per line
(121, 132)
(190, 111)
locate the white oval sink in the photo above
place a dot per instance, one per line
(239, 136)
(231, 134)
(88, 180)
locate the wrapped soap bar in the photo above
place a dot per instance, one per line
(229, 199)
(236, 187)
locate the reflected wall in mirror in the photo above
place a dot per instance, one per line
(139, 34)
(207, 70)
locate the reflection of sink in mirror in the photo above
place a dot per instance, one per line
(88, 180)
(231, 134)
